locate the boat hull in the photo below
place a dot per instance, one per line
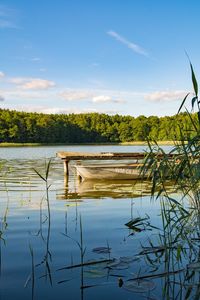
(111, 172)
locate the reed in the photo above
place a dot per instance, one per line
(180, 236)
(47, 256)
(184, 167)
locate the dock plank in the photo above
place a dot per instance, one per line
(104, 155)
(100, 155)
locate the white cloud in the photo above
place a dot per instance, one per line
(102, 98)
(38, 84)
(32, 83)
(134, 47)
(165, 95)
(15, 94)
(71, 110)
(44, 109)
(91, 95)
(56, 110)
(2, 98)
(75, 110)
(106, 99)
(2, 74)
(73, 95)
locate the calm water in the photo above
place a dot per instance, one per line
(37, 244)
(50, 151)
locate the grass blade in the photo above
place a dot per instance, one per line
(183, 102)
(194, 81)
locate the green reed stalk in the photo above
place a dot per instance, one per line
(181, 223)
(47, 252)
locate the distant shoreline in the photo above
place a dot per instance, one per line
(135, 143)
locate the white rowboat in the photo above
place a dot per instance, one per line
(111, 171)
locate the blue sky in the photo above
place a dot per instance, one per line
(126, 57)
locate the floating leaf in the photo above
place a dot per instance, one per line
(101, 250)
(129, 259)
(148, 250)
(139, 286)
(118, 265)
(95, 273)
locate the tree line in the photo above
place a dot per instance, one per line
(22, 127)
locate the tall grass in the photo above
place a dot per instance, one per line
(180, 215)
(182, 163)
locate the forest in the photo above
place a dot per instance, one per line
(23, 127)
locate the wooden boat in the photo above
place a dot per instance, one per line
(112, 171)
(109, 171)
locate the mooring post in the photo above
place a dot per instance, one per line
(66, 167)
(66, 173)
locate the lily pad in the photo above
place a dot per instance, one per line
(139, 286)
(101, 250)
(95, 273)
(118, 265)
(129, 259)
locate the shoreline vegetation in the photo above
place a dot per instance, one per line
(91, 128)
(135, 143)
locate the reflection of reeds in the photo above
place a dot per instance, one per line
(4, 223)
(32, 272)
(47, 255)
(82, 253)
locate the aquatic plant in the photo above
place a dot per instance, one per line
(182, 163)
(178, 244)
(47, 255)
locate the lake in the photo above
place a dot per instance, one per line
(74, 241)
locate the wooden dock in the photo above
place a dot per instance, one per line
(67, 156)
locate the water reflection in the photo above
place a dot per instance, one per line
(144, 262)
(115, 189)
